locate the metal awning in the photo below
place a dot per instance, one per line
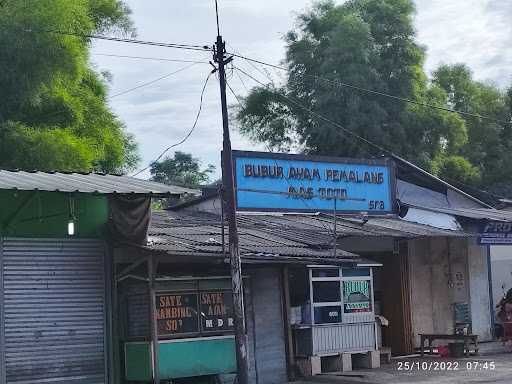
(470, 213)
(96, 183)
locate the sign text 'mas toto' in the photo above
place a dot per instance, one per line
(284, 182)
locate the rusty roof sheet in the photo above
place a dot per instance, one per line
(296, 236)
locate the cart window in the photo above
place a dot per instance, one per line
(326, 272)
(326, 315)
(326, 291)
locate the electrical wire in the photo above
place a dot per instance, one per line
(377, 93)
(381, 149)
(151, 58)
(152, 81)
(125, 40)
(261, 71)
(55, 113)
(189, 132)
(321, 117)
(299, 195)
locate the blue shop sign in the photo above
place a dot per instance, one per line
(295, 183)
(495, 233)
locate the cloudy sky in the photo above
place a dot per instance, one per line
(477, 32)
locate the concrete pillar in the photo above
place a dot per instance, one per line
(309, 366)
(316, 365)
(346, 362)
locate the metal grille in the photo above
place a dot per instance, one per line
(54, 302)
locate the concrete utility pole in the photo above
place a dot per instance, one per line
(229, 201)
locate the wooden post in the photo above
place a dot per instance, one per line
(153, 323)
(290, 353)
(229, 201)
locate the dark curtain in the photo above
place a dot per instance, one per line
(129, 219)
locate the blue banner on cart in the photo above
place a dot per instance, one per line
(495, 233)
(283, 182)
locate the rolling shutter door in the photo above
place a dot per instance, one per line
(54, 311)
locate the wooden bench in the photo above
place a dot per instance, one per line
(467, 339)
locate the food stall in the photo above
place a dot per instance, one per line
(334, 317)
(194, 327)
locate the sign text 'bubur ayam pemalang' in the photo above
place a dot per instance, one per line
(345, 175)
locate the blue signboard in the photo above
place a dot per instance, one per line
(495, 233)
(295, 183)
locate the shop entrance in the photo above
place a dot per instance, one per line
(392, 300)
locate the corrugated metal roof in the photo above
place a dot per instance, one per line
(198, 233)
(297, 236)
(471, 213)
(85, 183)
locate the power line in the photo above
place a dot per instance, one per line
(319, 116)
(125, 40)
(377, 93)
(152, 81)
(151, 58)
(384, 150)
(302, 198)
(55, 113)
(189, 132)
(299, 105)
(265, 74)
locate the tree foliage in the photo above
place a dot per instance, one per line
(372, 44)
(53, 104)
(489, 142)
(181, 169)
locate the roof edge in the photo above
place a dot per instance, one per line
(441, 181)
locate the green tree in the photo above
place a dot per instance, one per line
(369, 43)
(181, 169)
(54, 113)
(489, 141)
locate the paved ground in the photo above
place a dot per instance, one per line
(493, 365)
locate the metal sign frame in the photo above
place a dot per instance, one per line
(495, 233)
(382, 162)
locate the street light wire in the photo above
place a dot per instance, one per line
(189, 133)
(377, 93)
(152, 81)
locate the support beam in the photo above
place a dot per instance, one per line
(130, 268)
(7, 222)
(153, 322)
(290, 353)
